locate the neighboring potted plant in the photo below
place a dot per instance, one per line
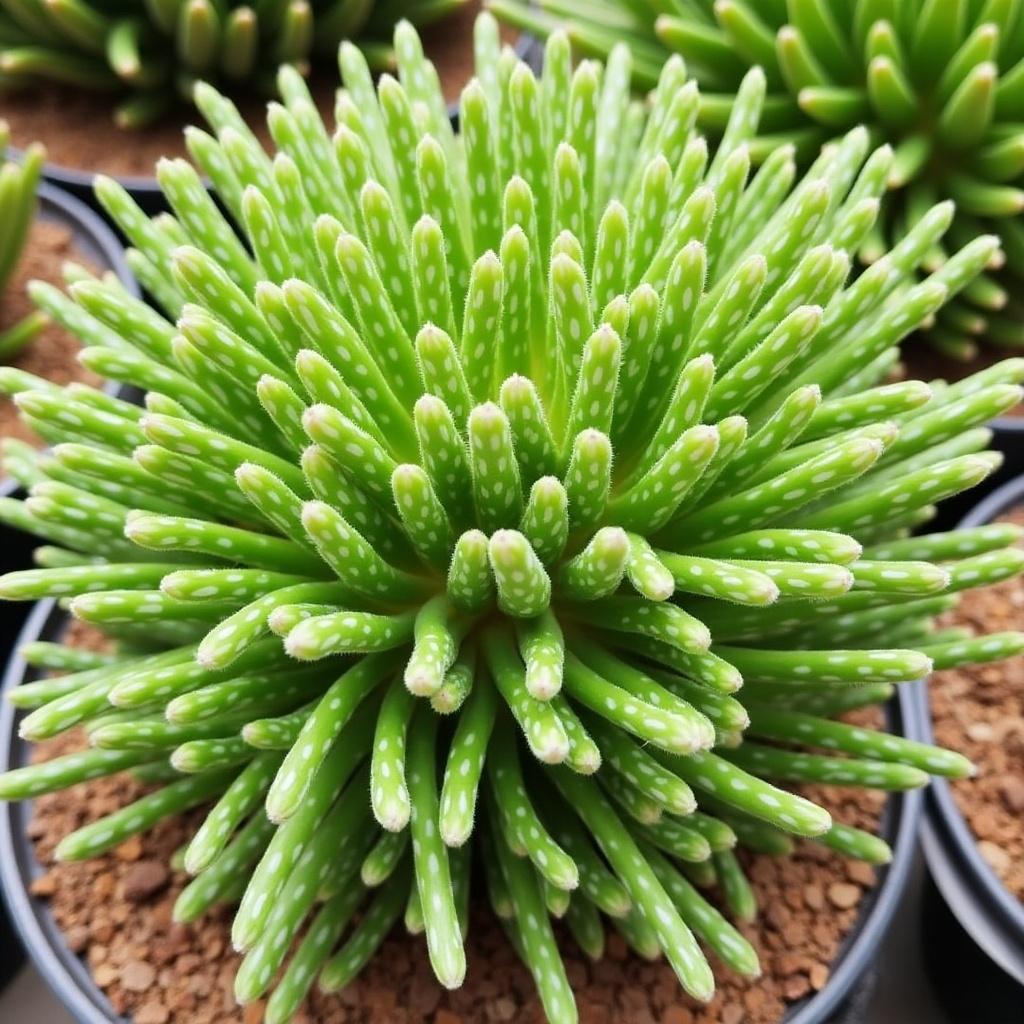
(68, 230)
(48, 234)
(108, 87)
(382, 594)
(18, 205)
(973, 835)
(938, 80)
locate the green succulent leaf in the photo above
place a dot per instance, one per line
(491, 491)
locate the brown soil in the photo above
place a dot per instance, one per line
(922, 362)
(115, 911)
(78, 131)
(86, 637)
(980, 712)
(449, 44)
(52, 353)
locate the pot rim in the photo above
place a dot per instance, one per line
(94, 225)
(900, 827)
(55, 203)
(65, 974)
(1009, 424)
(69, 978)
(985, 908)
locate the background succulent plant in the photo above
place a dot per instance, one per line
(18, 182)
(155, 51)
(942, 81)
(465, 501)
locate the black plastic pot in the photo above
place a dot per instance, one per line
(1008, 437)
(11, 954)
(143, 189)
(841, 1001)
(845, 997)
(94, 240)
(971, 909)
(1008, 440)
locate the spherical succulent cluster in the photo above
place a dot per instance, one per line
(942, 81)
(469, 490)
(18, 182)
(151, 54)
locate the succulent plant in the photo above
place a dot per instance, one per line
(942, 81)
(150, 54)
(18, 182)
(470, 488)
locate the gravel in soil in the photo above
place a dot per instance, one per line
(52, 352)
(77, 127)
(115, 911)
(980, 712)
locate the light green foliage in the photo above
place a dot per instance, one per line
(940, 81)
(477, 560)
(18, 183)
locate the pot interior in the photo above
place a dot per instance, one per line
(71, 980)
